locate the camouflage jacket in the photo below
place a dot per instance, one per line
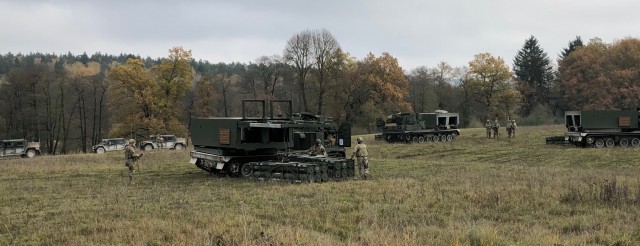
(317, 150)
(360, 150)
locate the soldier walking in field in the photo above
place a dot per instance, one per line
(489, 128)
(361, 153)
(509, 129)
(496, 129)
(131, 158)
(514, 126)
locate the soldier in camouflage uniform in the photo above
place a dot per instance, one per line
(361, 153)
(489, 128)
(514, 126)
(160, 141)
(131, 158)
(318, 149)
(496, 129)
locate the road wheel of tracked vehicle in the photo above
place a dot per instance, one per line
(609, 143)
(599, 143)
(414, 139)
(100, 150)
(443, 138)
(449, 137)
(407, 138)
(421, 140)
(436, 138)
(635, 142)
(590, 140)
(428, 139)
(624, 142)
(389, 139)
(148, 147)
(245, 170)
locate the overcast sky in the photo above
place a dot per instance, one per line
(417, 33)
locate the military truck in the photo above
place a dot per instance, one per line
(272, 144)
(167, 142)
(603, 128)
(19, 147)
(440, 126)
(109, 144)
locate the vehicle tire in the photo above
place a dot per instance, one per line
(245, 170)
(421, 140)
(100, 150)
(179, 147)
(624, 143)
(635, 142)
(31, 153)
(148, 147)
(599, 143)
(609, 143)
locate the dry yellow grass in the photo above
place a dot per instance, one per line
(473, 191)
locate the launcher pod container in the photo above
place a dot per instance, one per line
(603, 128)
(440, 126)
(265, 141)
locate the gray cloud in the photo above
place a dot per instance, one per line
(418, 33)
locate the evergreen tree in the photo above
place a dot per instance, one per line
(533, 69)
(573, 45)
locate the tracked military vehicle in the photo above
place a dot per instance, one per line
(272, 143)
(440, 126)
(602, 128)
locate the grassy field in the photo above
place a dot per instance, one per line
(473, 191)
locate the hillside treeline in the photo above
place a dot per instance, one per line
(69, 102)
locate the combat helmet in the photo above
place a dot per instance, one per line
(318, 141)
(360, 140)
(132, 141)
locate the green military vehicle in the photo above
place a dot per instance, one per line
(270, 144)
(602, 128)
(440, 126)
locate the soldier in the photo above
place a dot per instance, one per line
(489, 128)
(509, 128)
(318, 149)
(160, 141)
(514, 126)
(131, 158)
(496, 129)
(361, 153)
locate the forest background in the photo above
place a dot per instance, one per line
(70, 102)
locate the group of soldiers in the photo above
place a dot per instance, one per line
(493, 129)
(360, 152)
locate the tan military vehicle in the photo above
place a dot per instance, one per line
(19, 147)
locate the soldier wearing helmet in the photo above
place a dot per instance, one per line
(131, 158)
(361, 153)
(318, 149)
(489, 128)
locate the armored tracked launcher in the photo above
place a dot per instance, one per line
(603, 128)
(440, 126)
(271, 146)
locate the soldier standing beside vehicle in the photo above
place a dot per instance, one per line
(496, 129)
(317, 149)
(160, 141)
(489, 128)
(361, 153)
(131, 158)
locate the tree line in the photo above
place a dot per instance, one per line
(69, 102)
